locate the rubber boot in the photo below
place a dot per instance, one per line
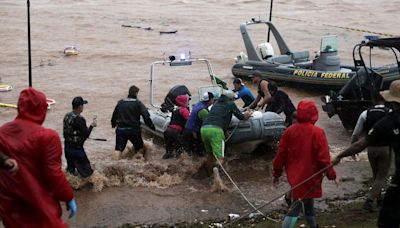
(289, 222)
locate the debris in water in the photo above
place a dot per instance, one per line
(252, 215)
(70, 50)
(233, 216)
(136, 26)
(216, 224)
(204, 211)
(149, 29)
(347, 178)
(168, 32)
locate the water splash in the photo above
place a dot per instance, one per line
(136, 171)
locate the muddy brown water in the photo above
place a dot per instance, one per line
(113, 57)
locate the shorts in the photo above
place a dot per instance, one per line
(214, 140)
(122, 135)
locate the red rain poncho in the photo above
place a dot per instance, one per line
(303, 151)
(30, 198)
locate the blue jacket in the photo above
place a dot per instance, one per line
(194, 122)
(246, 95)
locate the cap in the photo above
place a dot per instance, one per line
(78, 101)
(238, 81)
(255, 74)
(229, 93)
(207, 96)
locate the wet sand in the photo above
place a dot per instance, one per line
(113, 57)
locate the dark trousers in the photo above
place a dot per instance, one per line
(191, 144)
(172, 139)
(379, 158)
(389, 216)
(122, 135)
(78, 161)
(296, 207)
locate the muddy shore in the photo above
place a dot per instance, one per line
(192, 200)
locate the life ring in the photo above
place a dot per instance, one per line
(50, 102)
(71, 50)
(6, 88)
(7, 105)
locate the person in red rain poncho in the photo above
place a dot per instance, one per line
(303, 151)
(30, 197)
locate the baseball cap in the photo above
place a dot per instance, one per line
(238, 81)
(78, 101)
(207, 96)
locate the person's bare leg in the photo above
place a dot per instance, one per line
(116, 155)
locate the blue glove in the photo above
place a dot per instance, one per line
(71, 205)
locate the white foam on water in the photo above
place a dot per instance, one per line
(150, 172)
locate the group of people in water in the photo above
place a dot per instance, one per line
(32, 183)
(205, 128)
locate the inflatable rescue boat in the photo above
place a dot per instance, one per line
(261, 127)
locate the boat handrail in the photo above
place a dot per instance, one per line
(172, 63)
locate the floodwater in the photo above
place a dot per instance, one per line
(113, 57)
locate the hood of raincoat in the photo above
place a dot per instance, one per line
(182, 101)
(307, 112)
(32, 106)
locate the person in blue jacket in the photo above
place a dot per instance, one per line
(192, 142)
(242, 92)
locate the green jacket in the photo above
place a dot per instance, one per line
(221, 113)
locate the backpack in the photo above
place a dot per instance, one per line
(374, 115)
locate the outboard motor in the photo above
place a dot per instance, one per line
(169, 100)
(361, 85)
(353, 98)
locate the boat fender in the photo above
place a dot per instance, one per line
(71, 50)
(6, 88)
(257, 115)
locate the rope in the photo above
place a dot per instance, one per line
(237, 187)
(303, 197)
(279, 196)
(230, 135)
(335, 26)
(7, 105)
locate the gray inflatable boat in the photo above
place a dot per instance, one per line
(261, 127)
